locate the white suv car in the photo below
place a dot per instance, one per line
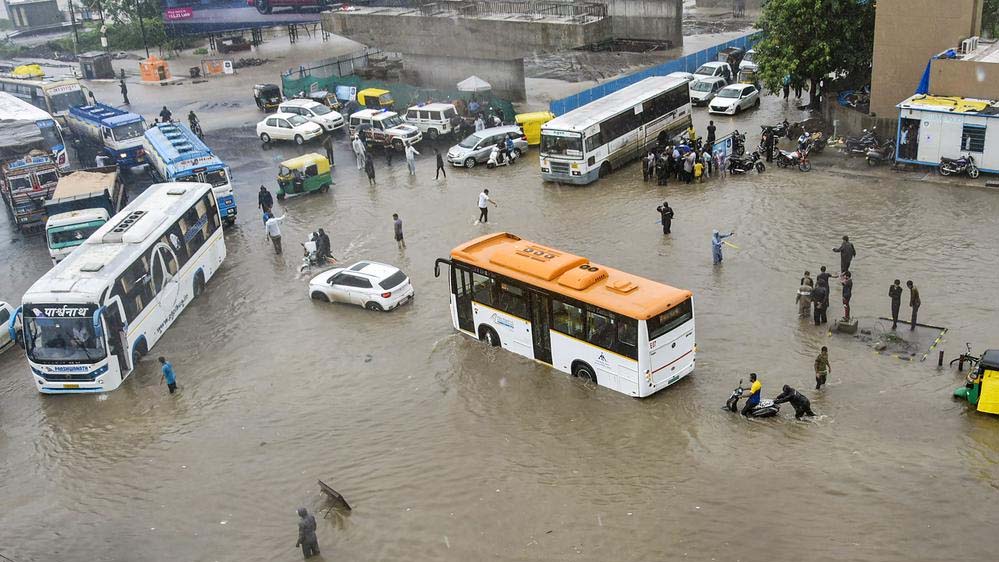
(314, 111)
(287, 126)
(432, 119)
(373, 285)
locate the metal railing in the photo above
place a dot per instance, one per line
(536, 8)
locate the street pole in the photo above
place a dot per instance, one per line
(142, 28)
(76, 35)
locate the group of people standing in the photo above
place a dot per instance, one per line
(686, 162)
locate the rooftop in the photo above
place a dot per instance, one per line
(986, 52)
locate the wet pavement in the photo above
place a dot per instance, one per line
(449, 450)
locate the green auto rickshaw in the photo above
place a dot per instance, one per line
(304, 174)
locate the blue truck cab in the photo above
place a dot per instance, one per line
(175, 153)
(116, 131)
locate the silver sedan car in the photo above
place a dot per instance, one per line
(475, 148)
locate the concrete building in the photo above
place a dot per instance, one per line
(906, 34)
(971, 74)
(445, 42)
(31, 14)
(646, 20)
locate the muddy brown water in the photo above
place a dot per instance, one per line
(449, 450)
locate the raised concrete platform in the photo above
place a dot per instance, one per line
(445, 42)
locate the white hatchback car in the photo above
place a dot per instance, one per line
(287, 126)
(314, 111)
(733, 99)
(6, 311)
(373, 285)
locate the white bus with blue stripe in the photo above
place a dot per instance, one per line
(175, 153)
(117, 132)
(14, 111)
(590, 141)
(86, 323)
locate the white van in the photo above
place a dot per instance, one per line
(432, 119)
(314, 111)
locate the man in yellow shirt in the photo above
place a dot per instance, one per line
(755, 390)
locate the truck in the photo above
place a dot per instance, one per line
(26, 182)
(82, 201)
(117, 133)
(174, 153)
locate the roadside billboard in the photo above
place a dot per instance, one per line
(214, 16)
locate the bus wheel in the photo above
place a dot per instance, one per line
(489, 336)
(605, 169)
(199, 284)
(583, 371)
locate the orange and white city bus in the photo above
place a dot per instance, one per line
(621, 331)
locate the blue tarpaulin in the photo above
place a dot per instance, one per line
(924, 82)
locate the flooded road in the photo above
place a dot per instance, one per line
(449, 450)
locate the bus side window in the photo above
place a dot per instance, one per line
(568, 319)
(511, 300)
(600, 329)
(482, 289)
(627, 336)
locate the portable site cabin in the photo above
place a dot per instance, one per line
(935, 127)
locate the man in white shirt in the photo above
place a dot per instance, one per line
(411, 158)
(484, 202)
(358, 146)
(479, 124)
(273, 226)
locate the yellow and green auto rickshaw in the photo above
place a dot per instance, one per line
(530, 124)
(304, 174)
(982, 387)
(375, 98)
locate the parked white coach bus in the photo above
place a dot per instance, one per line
(589, 142)
(88, 320)
(623, 332)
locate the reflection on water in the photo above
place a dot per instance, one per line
(449, 450)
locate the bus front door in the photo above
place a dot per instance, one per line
(461, 281)
(540, 313)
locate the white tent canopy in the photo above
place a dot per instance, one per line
(474, 84)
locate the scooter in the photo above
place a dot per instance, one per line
(745, 165)
(797, 158)
(883, 153)
(310, 257)
(765, 409)
(498, 158)
(964, 164)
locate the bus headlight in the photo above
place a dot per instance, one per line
(575, 173)
(544, 170)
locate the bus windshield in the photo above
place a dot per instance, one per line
(72, 234)
(65, 100)
(129, 131)
(61, 333)
(557, 145)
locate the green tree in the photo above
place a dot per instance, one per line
(810, 39)
(990, 18)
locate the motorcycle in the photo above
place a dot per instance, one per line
(861, 144)
(500, 158)
(782, 129)
(737, 165)
(310, 257)
(964, 164)
(817, 140)
(883, 153)
(738, 144)
(797, 158)
(765, 408)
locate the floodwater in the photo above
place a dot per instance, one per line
(450, 450)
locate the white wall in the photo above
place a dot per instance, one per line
(940, 136)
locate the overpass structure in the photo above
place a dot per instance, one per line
(444, 42)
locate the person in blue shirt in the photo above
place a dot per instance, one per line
(509, 147)
(754, 395)
(168, 375)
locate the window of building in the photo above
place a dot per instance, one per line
(973, 138)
